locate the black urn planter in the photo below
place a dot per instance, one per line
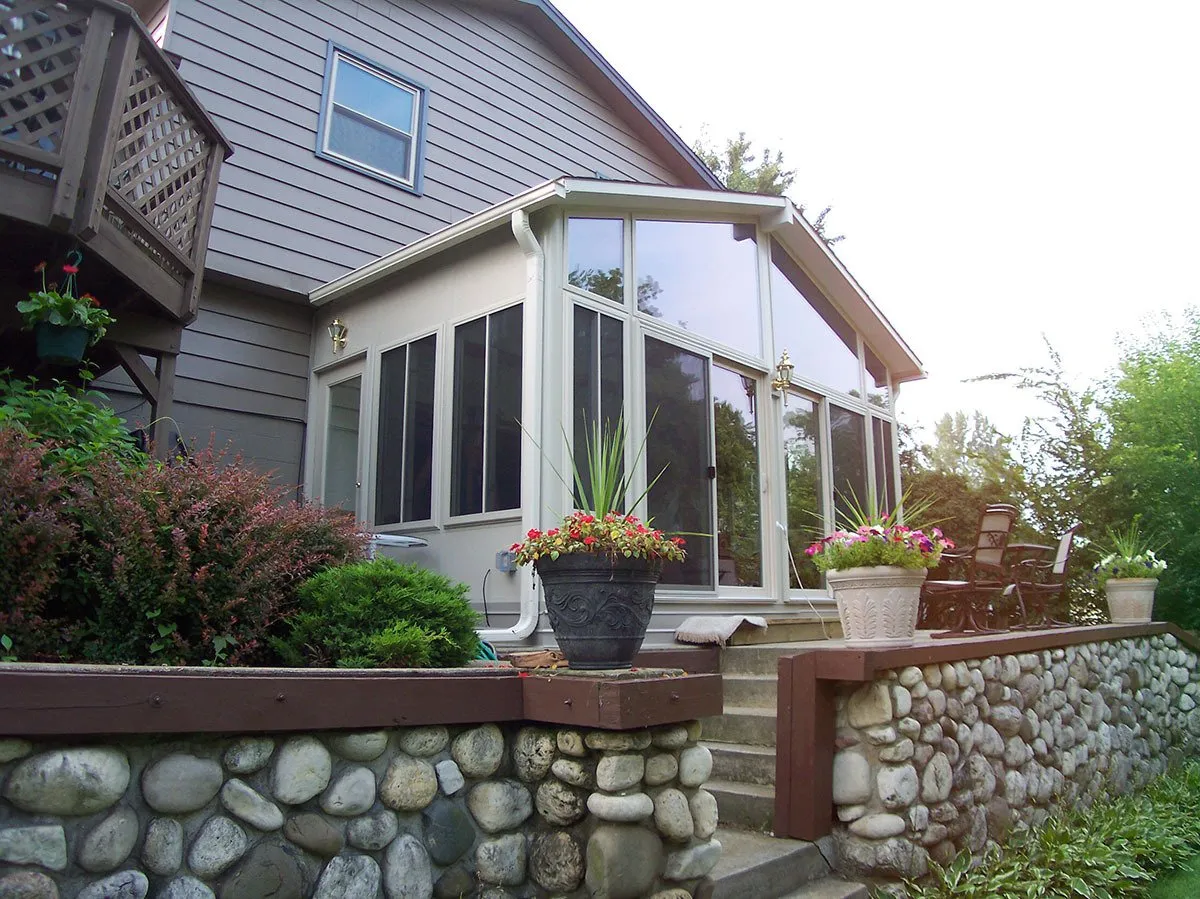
(599, 606)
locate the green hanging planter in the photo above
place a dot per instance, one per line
(61, 344)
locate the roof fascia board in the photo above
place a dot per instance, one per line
(435, 243)
(635, 195)
(544, 12)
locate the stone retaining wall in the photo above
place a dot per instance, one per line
(937, 760)
(488, 811)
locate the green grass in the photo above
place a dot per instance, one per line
(1181, 884)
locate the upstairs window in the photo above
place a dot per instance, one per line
(371, 120)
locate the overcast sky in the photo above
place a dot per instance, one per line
(999, 171)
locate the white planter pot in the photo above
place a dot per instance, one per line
(1130, 599)
(877, 605)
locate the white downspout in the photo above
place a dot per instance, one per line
(531, 405)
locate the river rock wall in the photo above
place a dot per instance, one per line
(948, 758)
(415, 813)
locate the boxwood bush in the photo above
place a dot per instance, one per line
(380, 613)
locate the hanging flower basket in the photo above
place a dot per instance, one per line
(61, 344)
(64, 325)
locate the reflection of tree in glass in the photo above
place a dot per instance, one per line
(738, 529)
(677, 403)
(803, 491)
(610, 283)
(849, 443)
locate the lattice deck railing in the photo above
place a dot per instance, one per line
(90, 106)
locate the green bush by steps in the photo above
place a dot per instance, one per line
(380, 613)
(1112, 850)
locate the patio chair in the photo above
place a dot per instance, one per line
(986, 576)
(1041, 578)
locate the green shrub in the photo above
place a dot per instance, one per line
(1113, 849)
(190, 563)
(76, 426)
(375, 613)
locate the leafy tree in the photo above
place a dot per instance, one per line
(738, 167)
(1154, 453)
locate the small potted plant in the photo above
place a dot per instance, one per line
(600, 565)
(1129, 574)
(64, 325)
(875, 568)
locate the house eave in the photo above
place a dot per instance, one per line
(777, 216)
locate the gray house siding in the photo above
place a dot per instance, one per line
(241, 380)
(504, 113)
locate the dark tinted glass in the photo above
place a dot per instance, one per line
(677, 402)
(504, 411)
(735, 422)
(418, 431)
(885, 472)
(849, 443)
(599, 381)
(466, 450)
(389, 464)
(802, 459)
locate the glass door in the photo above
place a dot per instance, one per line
(805, 487)
(678, 404)
(341, 470)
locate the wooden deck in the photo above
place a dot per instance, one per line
(102, 141)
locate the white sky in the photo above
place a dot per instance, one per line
(999, 171)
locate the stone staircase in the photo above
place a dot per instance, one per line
(742, 742)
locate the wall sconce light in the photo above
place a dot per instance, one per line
(339, 334)
(783, 374)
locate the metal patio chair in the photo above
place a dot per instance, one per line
(986, 577)
(1040, 578)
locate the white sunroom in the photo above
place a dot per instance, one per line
(453, 378)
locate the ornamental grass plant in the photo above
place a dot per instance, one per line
(604, 490)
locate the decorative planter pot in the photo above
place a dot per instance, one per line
(877, 605)
(1130, 599)
(599, 606)
(61, 344)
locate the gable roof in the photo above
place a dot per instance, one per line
(565, 39)
(777, 216)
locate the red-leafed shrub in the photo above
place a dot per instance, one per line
(187, 563)
(33, 536)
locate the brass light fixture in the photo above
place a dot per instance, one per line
(783, 375)
(339, 334)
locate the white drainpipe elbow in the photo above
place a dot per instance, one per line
(531, 455)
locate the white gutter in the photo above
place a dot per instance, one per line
(531, 406)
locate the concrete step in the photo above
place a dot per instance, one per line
(753, 690)
(789, 630)
(830, 888)
(757, 658)
(740, 724)
(744, 806)
(754, 866)
(743, 763)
